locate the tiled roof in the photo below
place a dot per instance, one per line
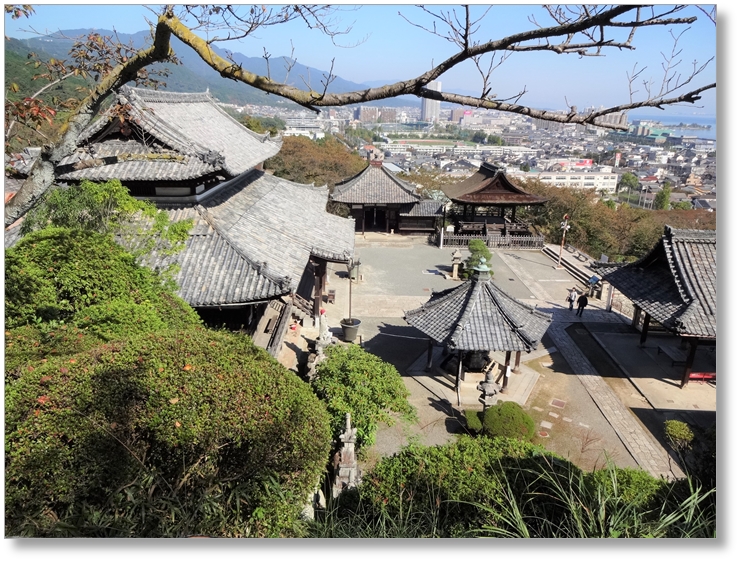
(489, 185)
(423, 208)
(132, 161)
(213, 270)
(675, 282)
(478, 315)
(189, 125)
(281, 224)
(374, 184)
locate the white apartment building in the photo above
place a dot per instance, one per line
(600, 181)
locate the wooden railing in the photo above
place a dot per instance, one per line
(532, 242)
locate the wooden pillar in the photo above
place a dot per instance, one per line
(459, 375)
(317, 293)
(513, 213)
(430, 353)
(363, 220)
(516, 361)
(636, 316)
(645, 326)
(375, 217)
(689, 362)
(505, 383)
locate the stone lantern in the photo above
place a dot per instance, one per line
(489, 390)
(456, 261)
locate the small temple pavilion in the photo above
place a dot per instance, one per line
(478, 316)
(675, 285)
(487, 202)
(379, 201)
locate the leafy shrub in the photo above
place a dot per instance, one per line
(636, 487)
(55, 273)
(166, 434)
(450, 479)
(478, 250)
(508, 419)
(679, 435)
(473, 421)
(351, 380)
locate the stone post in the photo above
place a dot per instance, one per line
(347, 474)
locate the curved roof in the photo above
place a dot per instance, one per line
(372, 185)
(478, 315)
(170, 136)
(676, 282)
(490, 186)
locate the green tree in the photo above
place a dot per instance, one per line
(628, 181)
(109, 208)
(495, 140)
(682, 206)
(663, 198)
(524, 167)
(479, 137)
(273, 125)
(353, 381)
(478, 250)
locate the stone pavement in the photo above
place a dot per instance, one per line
(399, 273)
(643, 447)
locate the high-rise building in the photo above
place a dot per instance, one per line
(430, 108)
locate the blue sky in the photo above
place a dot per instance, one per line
(392, 49)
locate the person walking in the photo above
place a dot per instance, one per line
(582, 303)
(572, 296)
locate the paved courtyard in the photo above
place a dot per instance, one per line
(592, 391)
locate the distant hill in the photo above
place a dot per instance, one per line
(193, 75)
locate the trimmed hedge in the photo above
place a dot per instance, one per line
(229, 442)
(508, 419)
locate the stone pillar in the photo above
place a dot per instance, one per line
(346, 474)
(609, 297)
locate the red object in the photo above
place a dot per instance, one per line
(322, 311)
(702, 376)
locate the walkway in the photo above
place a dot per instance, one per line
(641, 445)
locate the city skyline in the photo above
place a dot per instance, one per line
(389, 48)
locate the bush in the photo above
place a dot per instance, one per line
(508, 419)
(166, 434)
(636, 487)
(679, 435)
(351, 380)
(473, 421)
(478, 250)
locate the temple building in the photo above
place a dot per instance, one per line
(256, 256)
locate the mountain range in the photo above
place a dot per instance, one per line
(194, 75)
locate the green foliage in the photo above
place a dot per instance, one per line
(663, 198)
(351, 380)
(166, 434)
(508, 419)
(473, 421)
(624, 234)
(263, 124)
(478, 250)
(109, 208)
(678, 434)
(448, 480)
(56, 273)
(628, 181)
(69, 290)
(682, 205)
(634, 486)
(303, 160)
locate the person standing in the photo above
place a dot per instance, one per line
(572, 296)
(582, 303)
